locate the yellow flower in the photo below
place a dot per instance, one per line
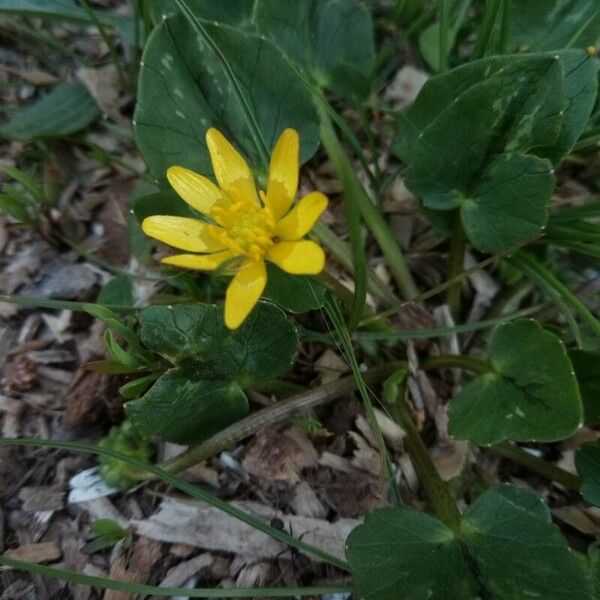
(244, 225)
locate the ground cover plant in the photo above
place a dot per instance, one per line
(300, 298)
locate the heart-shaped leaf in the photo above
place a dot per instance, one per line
(262, 348)
(587, 461)
(401, 553)
(334, 44)
(511, 202)
(531, 394)
(232, 12)
(186, 407)
(483, 136)
(507, 547)
(226, 78)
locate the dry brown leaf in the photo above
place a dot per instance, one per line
(36, 553)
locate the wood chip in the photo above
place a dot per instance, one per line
(199, 525)
(36, 553)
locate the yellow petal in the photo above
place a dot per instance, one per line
(181, 232)
(231, 170)
(199, 262)
(283, 173)
(302, 218)
(244, 292)
(198, 191)
(298, 258)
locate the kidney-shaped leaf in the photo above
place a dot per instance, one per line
(518, 551)
(229, 79)
(401, 553)
(262, 348)
(186, 407)
(331, 39)
(531, 394)
(508, 547)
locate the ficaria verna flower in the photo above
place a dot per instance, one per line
(246, 227)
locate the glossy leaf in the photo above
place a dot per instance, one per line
(231, 12)
(531, 394)
(185, 407)
(68, 108)
(483, 138)
(184, 90)
(542, 25)
(518, 551)
(297, 294)
(161, 203)
(587, 371)
(402, 553)
(332, 40)
(587, 461)
(262, 348)
(508, 547)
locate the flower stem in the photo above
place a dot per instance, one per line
(272, 415)
(457, 361)
(487, 25)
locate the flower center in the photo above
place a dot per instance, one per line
(246, 228)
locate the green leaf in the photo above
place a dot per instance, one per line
(262, 348)
(67, 10)
(184, 89)
(508, 547)
(117, 292)
(68, 108)
(332, 40)
(184, 407)
(15, 206)
(295, 293)
(518, 551)
(132, 389)
(108, 527)
(586, 365)
(587, 462)
(479, 138)
(400, 553)
(232, 12)
(542, 25)
(511, 202)
(161, 203)
(531, 394)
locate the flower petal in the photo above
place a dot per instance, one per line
(298, 258)
(231, 170)
(199, 262)
(181, 232)
(302, 218)
(244, 292)
(198, 191)
(283, 173)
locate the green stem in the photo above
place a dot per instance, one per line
(438, 494)
(456, 260)
(443, 40)
(536, 465)
(271, 416)
(104, 583)
(376, 224)
(352, 191)
(489, 18)
(504, 27)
